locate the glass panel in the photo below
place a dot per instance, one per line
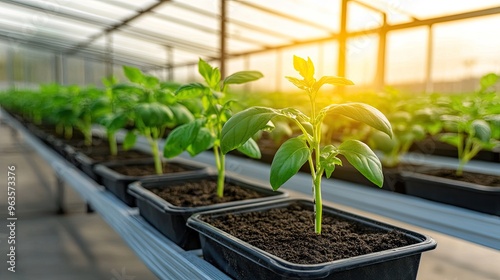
(264, 20)
(424, 9)
(176, 30)
(361, 61)
(263, 38)
(465, 50)
(189, 15)
(403, 69)
(362, 18)
(321, 12)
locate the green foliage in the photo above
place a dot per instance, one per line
(412, 119)
(472, 121)
(205, 132)
(307, 147)
(155, 108)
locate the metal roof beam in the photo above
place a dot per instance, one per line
(431, 21)
(31, 6)
(170, 41)
(235, 22)
(208, 30)
(286, 16)
(139, 13)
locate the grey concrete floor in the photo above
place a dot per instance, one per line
(78, 245)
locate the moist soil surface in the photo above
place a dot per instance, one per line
(147, 169)
(470, 177)
(289, 234)
(203, 192)
(103, 154)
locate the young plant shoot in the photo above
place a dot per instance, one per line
(296, 151)
(152, 117)
(205, 132)
(472, 122)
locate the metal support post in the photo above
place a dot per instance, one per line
(223, 38)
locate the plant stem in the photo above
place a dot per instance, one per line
(87, 131)
(156, 156)
(68, 132)
(318, 204)
(113, 147)
(220, 163)
(463, 151)
(59, 129)
(317, 172)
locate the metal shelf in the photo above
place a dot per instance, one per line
(162, 256)
(167, 260)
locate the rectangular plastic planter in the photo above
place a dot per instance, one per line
(463, 194)
(241, 260)
(87, 164)
(170, 220)
(118, 183)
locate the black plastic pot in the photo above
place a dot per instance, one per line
(463, 194)
(118, 183)
(86, 163)
(170, 220)
(241, 260)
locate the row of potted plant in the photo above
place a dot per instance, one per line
(466, 125)
(150, 107)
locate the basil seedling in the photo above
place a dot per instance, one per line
(205, 132)
(306, 147)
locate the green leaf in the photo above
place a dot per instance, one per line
(361, 112)
(151, 81)
(489, 80)
(116, 122)
(243, 77)
(328, 159)
(332, 80)
(482, 130)
(180, 138)
(243, 125)
(129, 141)
(133, 74)
(450, 138)
(109, 82)
(381, 141)
(250, 148)
(305, 68)
(329, 168)
(153, 114)
(181, 114)
(363, 159)
(298, 83)
(288, 160)
(204, 141)
(188, 91)
(205, 69)
(209, 73)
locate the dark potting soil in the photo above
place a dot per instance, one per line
(103, 155)
(470, 177)
(289, 234)
(147, 169)
(203, 192)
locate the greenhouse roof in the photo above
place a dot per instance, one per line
(148, 33)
